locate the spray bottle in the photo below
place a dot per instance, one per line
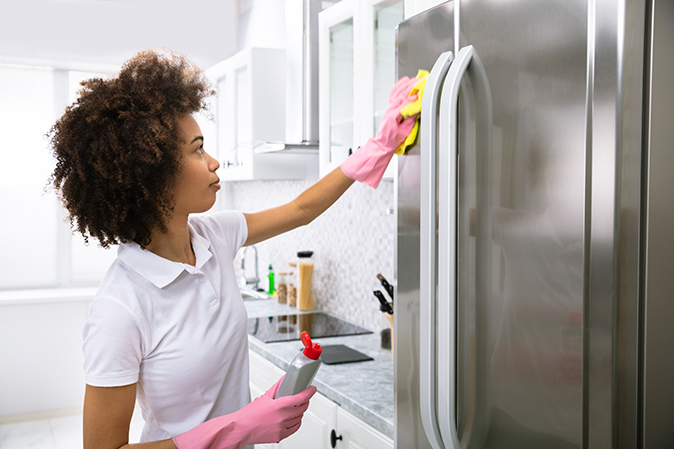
(302, 369)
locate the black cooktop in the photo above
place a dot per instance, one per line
(289, 327)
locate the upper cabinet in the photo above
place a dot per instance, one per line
(356, 74)
(336, 84)
(249, 110)
(380, 19)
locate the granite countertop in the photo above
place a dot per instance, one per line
(365, 389)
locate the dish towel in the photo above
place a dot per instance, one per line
(414, 108)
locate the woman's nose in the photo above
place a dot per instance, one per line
(213, 163)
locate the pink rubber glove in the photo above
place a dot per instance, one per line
(369, 162)
(265, 420)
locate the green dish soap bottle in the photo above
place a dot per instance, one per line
(270, 276)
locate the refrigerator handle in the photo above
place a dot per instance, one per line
(427, 351)
(467, 63)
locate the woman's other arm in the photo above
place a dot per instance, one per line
(107, 417)
(301, 211)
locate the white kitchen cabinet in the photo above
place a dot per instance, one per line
(249, 110)
(378, 55)
(337, 83)
(317, 423)
(356, 73)
(321, 418)
(355, 434)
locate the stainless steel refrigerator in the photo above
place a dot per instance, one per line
(534, 301)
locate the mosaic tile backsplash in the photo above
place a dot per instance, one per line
(352, 241)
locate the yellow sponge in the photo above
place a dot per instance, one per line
(413, 108)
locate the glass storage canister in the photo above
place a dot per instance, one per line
(305, 272)
(282, 287)
(292, 285)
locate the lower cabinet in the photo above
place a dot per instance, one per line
(322, 419)
(356, 434)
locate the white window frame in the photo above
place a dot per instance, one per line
(65, 277)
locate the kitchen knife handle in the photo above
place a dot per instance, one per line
(385, 306)
(388, 287)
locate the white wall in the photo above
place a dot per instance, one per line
(262, 24)
(40, 352)
(111, 31)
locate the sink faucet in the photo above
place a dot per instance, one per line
(254, 281)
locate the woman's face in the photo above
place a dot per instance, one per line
(198, 183)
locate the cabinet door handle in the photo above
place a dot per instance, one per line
(334, 438)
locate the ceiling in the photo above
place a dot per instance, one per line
(107, 32)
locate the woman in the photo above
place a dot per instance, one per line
(168, 326)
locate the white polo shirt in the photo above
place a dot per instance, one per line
(179, 331)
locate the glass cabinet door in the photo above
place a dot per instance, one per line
(337, 96)
(341, 90)
(356, 74)
(382, 18)
(244, 141)
(385, 18)
(224, 145)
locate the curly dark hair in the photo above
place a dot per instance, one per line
(117, 148)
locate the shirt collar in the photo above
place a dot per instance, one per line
(161, 272)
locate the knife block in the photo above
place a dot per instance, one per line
(387, 337)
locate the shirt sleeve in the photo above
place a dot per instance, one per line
(112, 344)
(228, 227)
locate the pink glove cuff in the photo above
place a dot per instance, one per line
(209, 432)
(369, 162)
(265, 420)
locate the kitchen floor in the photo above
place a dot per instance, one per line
(63, 432)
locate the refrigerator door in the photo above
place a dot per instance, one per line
(417, 49)
(503, 282)
(535, 59)
(538, 322)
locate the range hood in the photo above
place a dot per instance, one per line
(301, 95)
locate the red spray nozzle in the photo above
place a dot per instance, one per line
(311, 350)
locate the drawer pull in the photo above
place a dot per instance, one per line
(334, 438)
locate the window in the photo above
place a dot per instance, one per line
(38, 248)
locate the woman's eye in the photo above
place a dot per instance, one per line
(200, 150)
